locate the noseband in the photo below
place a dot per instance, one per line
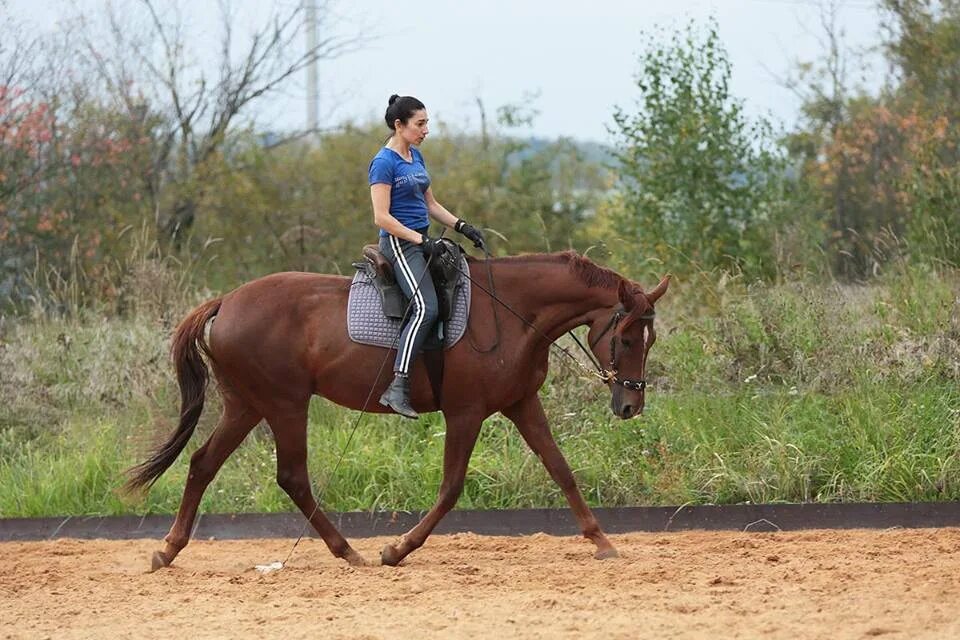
(610, 375)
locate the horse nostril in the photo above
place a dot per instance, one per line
(626, 411)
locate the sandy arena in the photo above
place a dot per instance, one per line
(896, 583)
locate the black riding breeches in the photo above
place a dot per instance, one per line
(410, 271)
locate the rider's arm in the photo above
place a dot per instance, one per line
(437, 211)
(380, 194)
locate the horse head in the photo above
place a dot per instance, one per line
(623, 339)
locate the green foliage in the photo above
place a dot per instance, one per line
(295, 206)
(760, 393)
(770, 381)
(304, 206)
(70, 216)
(701, 184)
(924, 44)
(932, 183)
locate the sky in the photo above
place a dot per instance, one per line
(579, 59)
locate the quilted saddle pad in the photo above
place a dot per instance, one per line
(366, 323)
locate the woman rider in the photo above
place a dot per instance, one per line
(403, 204)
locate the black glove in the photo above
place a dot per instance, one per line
(433, 247)
(471, 232)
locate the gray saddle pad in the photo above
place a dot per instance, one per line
(366, 323)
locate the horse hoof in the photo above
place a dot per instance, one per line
(355, 559)
(158, 561)
(390, 556)
(603, 554)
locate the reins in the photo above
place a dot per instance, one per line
(605, 375)
(493, 297)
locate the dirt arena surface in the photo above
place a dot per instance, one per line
(897, 583)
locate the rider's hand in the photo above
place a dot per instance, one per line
(470, 232)
(433, 247)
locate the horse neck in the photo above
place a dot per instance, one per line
(551, 295)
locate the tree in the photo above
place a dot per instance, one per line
(25, 139)
(884, 168)
(923, 46)
(826, 94)
(699, 181)
(27, 153)
(154, 72)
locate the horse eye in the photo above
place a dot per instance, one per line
(625, 343)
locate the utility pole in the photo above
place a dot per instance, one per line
(313, 95)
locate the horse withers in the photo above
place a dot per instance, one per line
(282, 338)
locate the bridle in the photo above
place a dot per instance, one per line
(611, 374)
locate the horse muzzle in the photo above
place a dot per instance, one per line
(626, 405)
(628, 411)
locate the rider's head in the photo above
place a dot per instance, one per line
(407, 118)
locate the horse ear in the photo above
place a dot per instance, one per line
(659, 290)
(625, 294)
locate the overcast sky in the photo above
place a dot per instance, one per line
(579, 57)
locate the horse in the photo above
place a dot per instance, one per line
(277, 340)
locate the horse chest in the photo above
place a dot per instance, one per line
(535, 372)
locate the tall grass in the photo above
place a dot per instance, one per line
(759, 393)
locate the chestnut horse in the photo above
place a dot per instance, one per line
(282, 338)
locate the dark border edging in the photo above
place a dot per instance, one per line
(513, 522)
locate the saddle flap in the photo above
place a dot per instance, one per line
(380, 273)
(371, 253)
(447, 278)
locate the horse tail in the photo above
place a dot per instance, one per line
(192, 375)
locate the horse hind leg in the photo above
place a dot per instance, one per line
(236, 421)
(290, 433)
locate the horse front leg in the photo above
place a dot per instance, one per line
(531, 421)
(462, 432)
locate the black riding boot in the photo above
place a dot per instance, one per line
(397, 397)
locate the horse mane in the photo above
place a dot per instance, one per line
(589, 272)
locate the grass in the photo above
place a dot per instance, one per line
(872, 444)
(789, 393)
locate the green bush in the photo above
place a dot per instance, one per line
(700, 185)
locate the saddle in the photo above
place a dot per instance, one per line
(444, 272)
(376, 305)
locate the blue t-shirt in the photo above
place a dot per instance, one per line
(408, 182)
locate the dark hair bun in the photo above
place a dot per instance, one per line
(399, 108)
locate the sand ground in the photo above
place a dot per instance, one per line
(897, 583)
